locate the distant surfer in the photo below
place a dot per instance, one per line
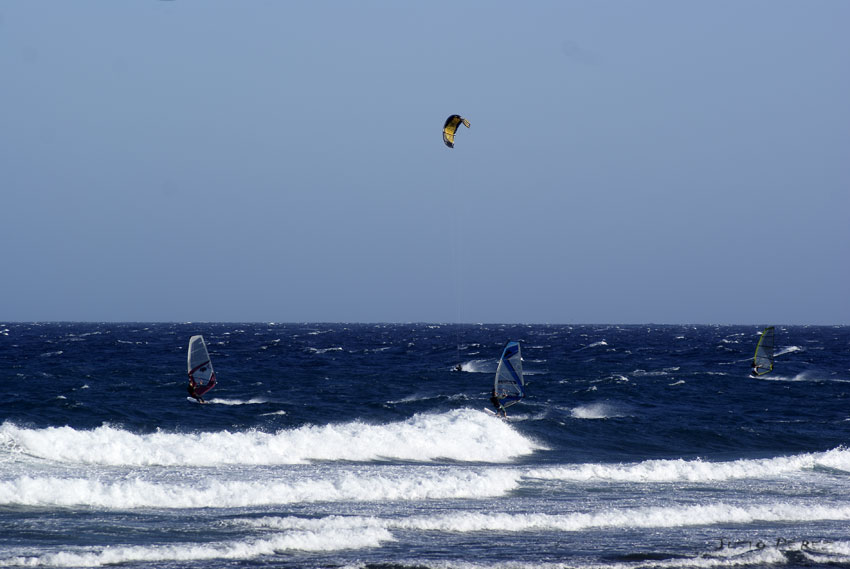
(200, 369)
(497, 403)
(458, 367)
(763, 359)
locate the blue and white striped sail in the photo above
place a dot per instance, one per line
(509, 384)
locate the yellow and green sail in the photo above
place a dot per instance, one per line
(763, 360)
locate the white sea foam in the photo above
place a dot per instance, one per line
(644, 373)
(427, 397)
(596, 411)
(252, 401)
(593, 345)
(324, 350)
(291, 541)
(659, 517)
(413, 398)
(696, 470)
(462, 435)
(609, 518)
(752, 558)
(479, 366)
(804, 376)
(51, 354)
(837, 552)
(204, 491)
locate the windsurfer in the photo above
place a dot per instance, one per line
(497, 403)
(755, 369)
(200, 369)
(191, 389)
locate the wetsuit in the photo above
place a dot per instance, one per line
(191, 389)
(497, 403)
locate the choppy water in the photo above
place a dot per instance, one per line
(337, 445)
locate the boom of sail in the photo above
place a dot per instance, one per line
(200, 367)
(763, 360)
(509, 384)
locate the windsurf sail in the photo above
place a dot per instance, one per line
(509, 384)
(200, 366)
(763, 360)
(450, 128)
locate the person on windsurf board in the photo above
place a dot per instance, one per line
(763, 358)
(200, 368)
(196, 391)
(508, 385)
(191, 388)
(497, 403)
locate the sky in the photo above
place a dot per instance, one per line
(264, 161)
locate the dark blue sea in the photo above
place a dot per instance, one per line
(358, 445)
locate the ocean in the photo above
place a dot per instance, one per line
(359, 445)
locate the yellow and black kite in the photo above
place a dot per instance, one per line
(450, 128)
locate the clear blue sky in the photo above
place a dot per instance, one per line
(628, 162)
